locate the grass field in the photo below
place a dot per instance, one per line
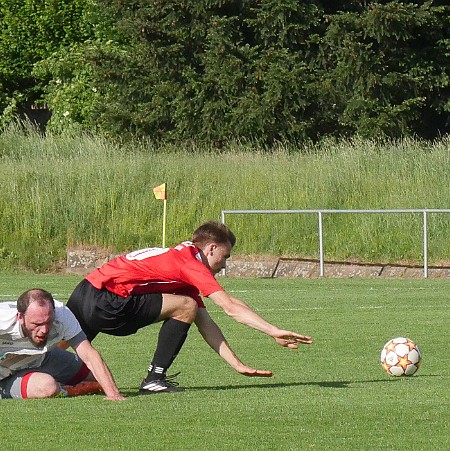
(332, 395)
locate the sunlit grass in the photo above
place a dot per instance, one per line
(331, 395)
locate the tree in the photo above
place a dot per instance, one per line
(220, 70)
(30, 31)
(270, 70)
(385, 71)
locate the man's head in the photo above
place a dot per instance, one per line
(215, 240)
(35, 313)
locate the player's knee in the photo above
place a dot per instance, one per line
(41, 385)
(188, 308)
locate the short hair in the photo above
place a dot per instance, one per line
(213, 231)
(42, 297)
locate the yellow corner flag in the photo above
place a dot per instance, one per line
(160, 192)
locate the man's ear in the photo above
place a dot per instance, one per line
(210, 247)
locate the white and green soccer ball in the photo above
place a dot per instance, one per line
(400, 357)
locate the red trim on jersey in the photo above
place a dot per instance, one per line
(80, 376)
(177, 270)
(24, 385)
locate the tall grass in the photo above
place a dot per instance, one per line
(60, 191)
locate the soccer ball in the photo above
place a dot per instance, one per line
(400, 357)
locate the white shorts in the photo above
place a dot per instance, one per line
(66, 367)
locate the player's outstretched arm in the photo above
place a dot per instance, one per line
(95, 363)
(242, 313)
(212, 334)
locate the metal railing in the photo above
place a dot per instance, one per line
(320, 214)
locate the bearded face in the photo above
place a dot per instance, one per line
(36, 323)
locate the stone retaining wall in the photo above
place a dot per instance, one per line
(82, 261)
(294, 268)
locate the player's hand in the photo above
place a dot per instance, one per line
(291, 340)
(252, 372)
(118, 397)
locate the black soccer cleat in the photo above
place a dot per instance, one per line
(165, 384)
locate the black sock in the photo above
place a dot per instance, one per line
(171, 338)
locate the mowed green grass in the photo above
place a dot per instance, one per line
(332, 395)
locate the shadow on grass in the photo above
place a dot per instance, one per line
(325, 384)
(334, 384)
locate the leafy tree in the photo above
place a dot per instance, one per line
(270, 70)
(218, 70)
(30, 31)
(386, 70)
(209, 70)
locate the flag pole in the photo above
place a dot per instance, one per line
(164, 224)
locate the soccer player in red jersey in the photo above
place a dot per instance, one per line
(154, 284)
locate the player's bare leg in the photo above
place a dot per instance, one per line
(39, 385)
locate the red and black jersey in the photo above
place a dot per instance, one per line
(175, 270)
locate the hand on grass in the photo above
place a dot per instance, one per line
(252, 372)
(118, 397)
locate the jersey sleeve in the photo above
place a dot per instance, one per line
(197, 274)
(77, 339)
(68, 325)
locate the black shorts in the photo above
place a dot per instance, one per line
(103, 311)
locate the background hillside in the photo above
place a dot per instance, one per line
(60, 191)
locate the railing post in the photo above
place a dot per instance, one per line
(425, 245)
(223, 272)
(321, 245)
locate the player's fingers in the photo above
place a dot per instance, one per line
(252, 372)
(296, 338)
(290, 343)
(288, 334)
(301, 337)
(259, 373)
(114, 398)
(263, 373)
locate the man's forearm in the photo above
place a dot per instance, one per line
(99, 369)
(242, 313)
(212, 334)
(103, 376)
